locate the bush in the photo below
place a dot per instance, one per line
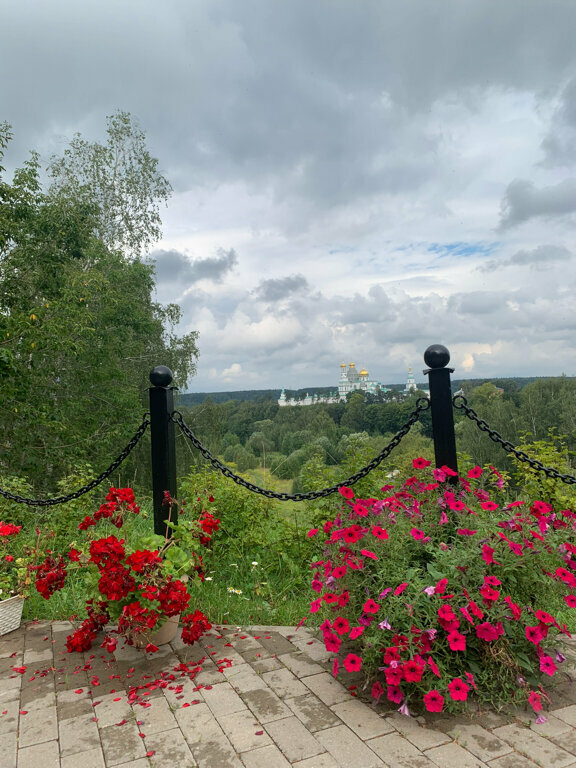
(445, 590)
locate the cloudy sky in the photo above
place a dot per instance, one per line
(353, 179)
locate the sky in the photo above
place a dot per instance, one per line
(354, 180)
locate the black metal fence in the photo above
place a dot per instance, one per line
(163, 419)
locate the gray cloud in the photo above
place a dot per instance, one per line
(559, 144)
(173, 267)
(523, 201)
(279, 288)
(539, 258)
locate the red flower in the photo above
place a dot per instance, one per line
(412, 671)
(352, 663)
(466, 532)
(391, 654)
(535, 701)
(380, 533)
(487, 632)
(143, 560)
(547, 665)
(343, 599)
(456, 641)
(341, 625)
(339, 571)
(194, 626)
(475, 472)
(536, 634)
(570, 600)
(400, 588)
(394, 693)
(489, 506)
(417, 534)
(490, 595)
(458, 689)
(370, 606)
(434, 701)
(441, 586)
(348, 493)
(434, 666)
(330, 598)
(488, 555)
(420, 463)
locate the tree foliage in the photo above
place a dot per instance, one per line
(79, 330)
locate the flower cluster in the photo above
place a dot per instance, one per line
(447, 589)
(140, 588)
(16, 563)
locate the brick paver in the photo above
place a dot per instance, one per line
(262, 697)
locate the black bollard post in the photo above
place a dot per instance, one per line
(438, 357)
(163, 445)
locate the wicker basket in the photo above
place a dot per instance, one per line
(10, 614)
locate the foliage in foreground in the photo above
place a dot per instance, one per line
(440, 590)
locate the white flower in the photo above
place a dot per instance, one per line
(254, 562)
(234, 591)
(208, 578)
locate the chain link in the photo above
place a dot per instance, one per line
(422, 404)
(462, 405)
(85, 488)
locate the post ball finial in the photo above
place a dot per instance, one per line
(436, 356)
(161, 376)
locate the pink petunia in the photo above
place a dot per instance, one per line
(394, 693)
(458, 689)
(470, 678)
(377, 691)
(371, 606)
(352, 663)
(434, 701)
(547, 665)
(466, 532)
(535, 701)
(536, 634)
(417, 534)
(456, 641)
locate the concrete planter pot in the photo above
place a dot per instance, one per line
(10, 614)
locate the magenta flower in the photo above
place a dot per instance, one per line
(377, 691)
(456, 641)
(536, 634)
(487, 632)
(352, 663)
(394, 693)
(458, 689)
(547, 665)
(535, 701)
(417, 534)
(404, 709)
(434, 701)
(370, 606)
(355, 632)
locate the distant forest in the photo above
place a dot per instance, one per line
(188, 399)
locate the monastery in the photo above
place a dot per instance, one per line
(350, 381)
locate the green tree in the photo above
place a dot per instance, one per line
(79, 333)
(118, 181)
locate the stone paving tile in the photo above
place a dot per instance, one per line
(275, 643)
(328, 690)
(566, 741)
(266, 757)
(478, 740)
(223, 699)
(347, 749)
(514, 760)
(78, 734)
(157, 717)
(294, 739)
(416, 732)
(206, 739)
(300, 664)
(37, 657)
(535, 747)
(244, 731)
(8, 742)
(170, 749)
(454, 754)
(361, 719)
(313, 648)
(552, 727)
(312, 712)
(398, 752)
(121, 743)
(568, 714)
(110, 712)
(38, 698)
(244, 678)
(319, 761)
(284, 683)
(92, 759)
(9, 716)
(45, 755)
(36, 728)
(266, 665)
(265, 705)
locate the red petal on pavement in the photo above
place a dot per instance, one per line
(150, 753)
(20, 670)
(142, 735)
(258, 733)
(122, 722)
(23, 711)
(186, 704)
(79, 690)
(118, 699)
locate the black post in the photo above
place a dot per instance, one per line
(163, 444)
(438, 357)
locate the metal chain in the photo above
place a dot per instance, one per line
(462, 405)
(422, 404)
(85, 488)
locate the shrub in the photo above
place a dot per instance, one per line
(440, 590)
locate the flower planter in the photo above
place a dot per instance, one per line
(10, 614)
(162, 636)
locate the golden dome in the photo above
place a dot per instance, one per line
(342, 365)
(363, 372)
(351, 365)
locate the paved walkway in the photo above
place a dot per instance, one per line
(255, 699)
